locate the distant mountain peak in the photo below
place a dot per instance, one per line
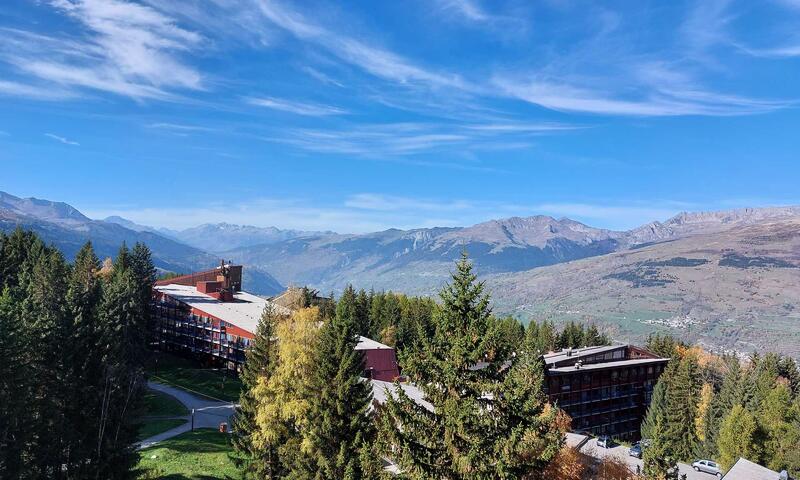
(56, 212)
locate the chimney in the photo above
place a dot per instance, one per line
(569, 351)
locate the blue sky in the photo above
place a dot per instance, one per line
(358, 116)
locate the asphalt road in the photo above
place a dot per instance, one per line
(207, 413)
(591, 449)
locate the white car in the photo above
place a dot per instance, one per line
(604, 441)
(707, 466)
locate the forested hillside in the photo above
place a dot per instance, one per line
(72, 359)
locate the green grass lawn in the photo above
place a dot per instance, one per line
(154, 426)
(159, 404)
(188, 375)
(201, 454)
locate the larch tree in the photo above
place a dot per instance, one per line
(284, 398)
(258, 461)
(489, 416)
(737, 438)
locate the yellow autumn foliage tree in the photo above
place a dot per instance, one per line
(706, 394)
(283, 399)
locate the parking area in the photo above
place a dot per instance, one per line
(590, 448)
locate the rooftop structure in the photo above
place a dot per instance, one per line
(207, 315)
(243, 310)
(604, 389)
(744, 469)
(382, 390)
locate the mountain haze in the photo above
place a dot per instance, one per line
(219, 237)
(729, 279)
(68, 229)
(738, 288)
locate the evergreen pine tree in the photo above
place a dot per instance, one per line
(657, 410)
(122, 377)
(682, 395)
(659, 459)
(488, 422)
(83, 299)
(13, 383)
(45, 317)
(363, 302)
(730, 394)
(339, 409)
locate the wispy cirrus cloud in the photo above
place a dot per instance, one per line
(128, 49)
(710, 23)
(374, 60)
(473, 12)
(382, 140)
(16, 89)
(649, 89)
(389, 203)
(61, 139)
(322, 77)
(179, 127)
(299, 108)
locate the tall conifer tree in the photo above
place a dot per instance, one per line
(487, 419)
(339, 413)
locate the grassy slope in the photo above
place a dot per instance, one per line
(158, 404)
(722, 303)
(201, 454)
(158, 408)
(187, 374)
(154, 426)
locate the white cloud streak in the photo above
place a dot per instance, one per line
(16, 89)
(298, 108)
(657, 101)
(409, 139)
(128, 49)
(177, 127)
(61, 139)
(376, 61)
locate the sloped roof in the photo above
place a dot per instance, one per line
(744, 469)
(365, 343)
(381, 391)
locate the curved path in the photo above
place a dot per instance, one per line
(207, 413)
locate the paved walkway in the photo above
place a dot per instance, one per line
(207, 413)
(590, 448)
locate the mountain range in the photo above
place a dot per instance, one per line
(729, 279)
(62, 225)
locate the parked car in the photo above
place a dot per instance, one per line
(636, 450)
(708, 466)
(604, 441)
